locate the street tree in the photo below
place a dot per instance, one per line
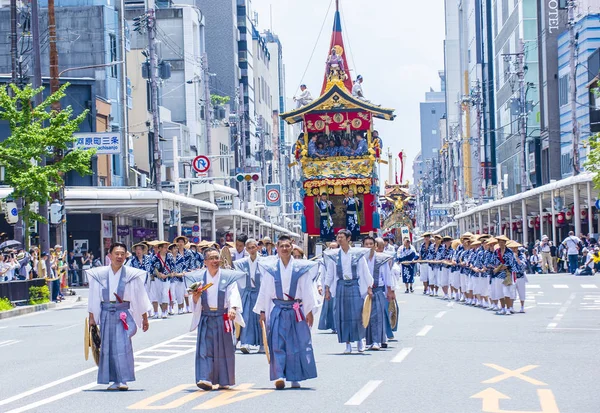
(37, 133)
(592, 162)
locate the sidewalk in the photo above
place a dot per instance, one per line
(28, 309)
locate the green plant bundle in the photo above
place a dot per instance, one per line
(39, 295)
(5, 304)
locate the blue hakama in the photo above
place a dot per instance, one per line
(348, 311)
(376, 330)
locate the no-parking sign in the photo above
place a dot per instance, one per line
(273, 195)
(201, 164)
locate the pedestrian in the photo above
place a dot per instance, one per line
(588, 267)
(286, 302)
(554, 255)
(546, 255)
(119, 302)
(406, 256)
(571, 244)
(86, 264)
(348, 273)
(534, 261)
(214, 312)
(249, 285)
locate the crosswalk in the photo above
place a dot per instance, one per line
(165, 351)
(8, 342)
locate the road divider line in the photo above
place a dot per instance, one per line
(589, 286)
(399, 358)
(560, 286)
(424, 331)
(8, 342)
(534, 286)
(561, 312)
(67, 327)
(440, 314)
(363, 393)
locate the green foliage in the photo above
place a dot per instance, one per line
(36, 130)
(217, 100)
(592, 162)
(5, 304)
(39, 295)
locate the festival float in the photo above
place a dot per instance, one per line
(340, 117)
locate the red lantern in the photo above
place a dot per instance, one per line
(531, 222)
(560, 218)
(549, 218)
(519, 224)
(569, 215)
(537, 222)
(584, 214)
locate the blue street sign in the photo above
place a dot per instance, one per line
(297, 206)
(597, 203)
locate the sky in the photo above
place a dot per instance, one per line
(397, 46)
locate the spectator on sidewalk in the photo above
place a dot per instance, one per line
(554, 255)
(535, 260)
(73, 263)
(24, 260)
(588, 267)
(571, 243)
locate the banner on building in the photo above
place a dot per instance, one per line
(107, 143)
(122, 230)
(107, 229)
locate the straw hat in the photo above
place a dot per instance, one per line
(139, 244)
(437, 236)
(446, 238)
(172, 246)
(426, 234)
(230, 244)
(476, 243)
(183, 237)
(513, 244)
(491, 241)
(455, 244)
(502, 238)
(484, 237)
(466, 235)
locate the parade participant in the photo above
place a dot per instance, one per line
(504, 267)
(353, 208)
(214, 311)
(239, 251)
(521, 265)
(322, 151)
(334, 62)
(465, 239)
(435, 275)
(467, 260)
(327, 317)
(406, 255)
(312, 147)
(118, 301)
(332, 149)
(380, 248)
(286, 302)
(357, 88)
(162, 266)
(424, 265)
(250, 335)
(198, 260)
(184, 260)
(345, 149)
(383, 290)
(474, 271)
(445, 265)
(304, 98)
(361, 145)
(478, 272)
(488, 272)
(141, 261)
(348, 272)
(326, 210)
(389, 246)
(457, 249)
(297, 252)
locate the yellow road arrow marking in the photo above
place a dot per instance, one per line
(146, 404)
(491, 401)
(237, 394)
(507, 373)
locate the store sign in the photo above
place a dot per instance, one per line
(553, 16)
(438, 212)
(122, 230)
(108, 143)
(148, 233)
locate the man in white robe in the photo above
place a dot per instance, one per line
(304, 98)
(119, 302)
(286, 303)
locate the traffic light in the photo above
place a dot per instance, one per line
(254, 177)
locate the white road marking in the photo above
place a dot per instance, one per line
(158, 359)
(451, 304)
(424, 331)
(67, 327)
(560, 286)
(589, 286)
(533, 286)
(2, 328)
(399, 358)
(561, 312)
(440, 314)
(154, 320)
(360, 395)
(577, 328)
(529, 306)
(549, 303)
(8, 342)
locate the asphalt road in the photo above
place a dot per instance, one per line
(448, 358)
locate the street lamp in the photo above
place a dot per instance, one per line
(90, 67)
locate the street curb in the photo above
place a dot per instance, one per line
(26, 310)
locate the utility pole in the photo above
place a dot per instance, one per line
(151, 25)
(479, 151)
(208, 107)
(13, 41)
(242, 131)
(523, 115)
(43, 228)
(573, 85)
(54, 81)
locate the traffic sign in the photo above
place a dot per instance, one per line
(201, 164)
(598, 204)
(273, 192)
(297, 206)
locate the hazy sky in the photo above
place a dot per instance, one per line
(397, 46)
